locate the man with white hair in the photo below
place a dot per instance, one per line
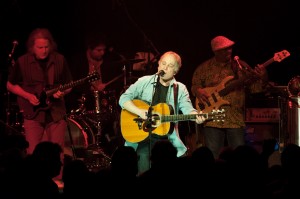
(152, 92)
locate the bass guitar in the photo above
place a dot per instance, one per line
(135, 129)
(45, 102)
(215, 100)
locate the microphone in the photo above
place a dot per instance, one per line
(161, 73)
(15, 43)
(236, 58)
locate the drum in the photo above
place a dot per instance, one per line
(105, 102)
(293, 118)
(293, 110)
(102, 107)
(14, 118)
(81, 133)
(93, 149)
(294, 87)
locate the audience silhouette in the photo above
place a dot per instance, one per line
(242, 172)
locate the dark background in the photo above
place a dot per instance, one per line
(259, 28)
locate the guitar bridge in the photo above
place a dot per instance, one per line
(139, 122)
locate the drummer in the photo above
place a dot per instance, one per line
(95, 57)
(99, 96)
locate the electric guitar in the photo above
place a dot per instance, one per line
(135, 129)
(45, 102)
(215, 100)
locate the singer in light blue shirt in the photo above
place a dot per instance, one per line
(152, 90)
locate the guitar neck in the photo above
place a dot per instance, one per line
(174, 118)
(240, 82)
(61, 88)
(65, 86)
(267, 63)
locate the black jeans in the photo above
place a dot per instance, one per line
(215, 138)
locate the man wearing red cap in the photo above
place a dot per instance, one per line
(212, 85)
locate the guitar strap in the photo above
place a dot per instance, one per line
(52, 71)
(175, 87)
(49, 76)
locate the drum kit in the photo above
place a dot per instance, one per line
(94, 131)
(90, 132)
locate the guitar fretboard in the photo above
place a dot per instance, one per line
(208, 116)
(92, 77)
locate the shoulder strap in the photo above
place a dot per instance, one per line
(175, 87)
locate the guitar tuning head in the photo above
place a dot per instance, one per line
(218, 110)
(218, 115)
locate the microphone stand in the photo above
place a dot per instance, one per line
(136, 25)
(7, 94)
(149, 116)
(125, 78)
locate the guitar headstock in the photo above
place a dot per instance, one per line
(93, 76)
(217, 115)
(281, 55)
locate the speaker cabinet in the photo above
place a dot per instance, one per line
(257, 132)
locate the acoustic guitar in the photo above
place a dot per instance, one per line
(134, 129)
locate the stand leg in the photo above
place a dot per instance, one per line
(71, 138)
(99, 149)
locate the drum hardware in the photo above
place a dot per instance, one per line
(14, 116)
(84, 143)
(99, 150)
(11, 128)
(100, 158)
(97, 103)
(82, 108)
(128, 81)
(70, 136)
(99, 119)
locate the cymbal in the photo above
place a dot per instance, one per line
(127, 61)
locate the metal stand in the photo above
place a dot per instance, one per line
(125, 86)
(100, 158)
(71, 137)
(149, 117)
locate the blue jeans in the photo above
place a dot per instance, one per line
(144, 154)
(215, 138)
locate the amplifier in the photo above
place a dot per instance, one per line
(262, 115)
